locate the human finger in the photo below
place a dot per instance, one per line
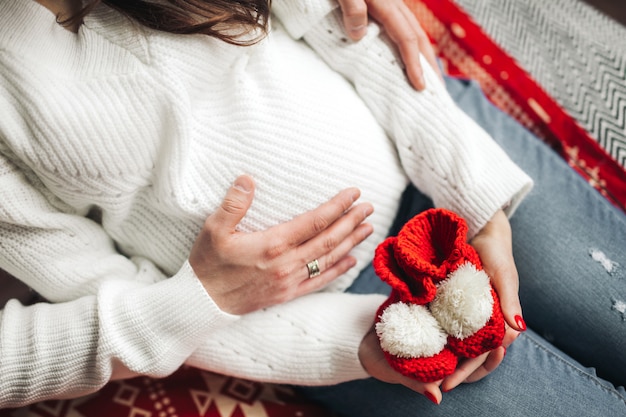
(335, 263)
(235, 204)
(494, 246)
(310, 224)
(339, 238)
(506, 283)
(430, 390)
(463, 370)
(373, 360)
(474, 369)
(425, 46)
(354, 17)
(329, 273)
(491, 362)
(403, 31)
(510, 336)
(322, 257)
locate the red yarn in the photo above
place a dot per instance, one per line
(485, 339)
(425, 252)
(428, 369)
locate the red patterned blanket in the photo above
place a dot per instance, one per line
(587, 124)
(466, 50)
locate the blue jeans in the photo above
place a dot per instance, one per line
(569, 245)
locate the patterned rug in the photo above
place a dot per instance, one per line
(188, 392)
(576, 53)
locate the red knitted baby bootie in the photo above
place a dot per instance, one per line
(442, 305)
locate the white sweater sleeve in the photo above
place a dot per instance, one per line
(113, 309)
(148, 324)
(312, 340)
(444, 153)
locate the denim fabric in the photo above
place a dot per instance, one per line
(570, 249)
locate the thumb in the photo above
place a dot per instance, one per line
(506, 285)
(235, 204)
(494, 246)
(354, 17)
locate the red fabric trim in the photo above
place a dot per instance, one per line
(466, 50)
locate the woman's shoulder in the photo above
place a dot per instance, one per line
(106, 43)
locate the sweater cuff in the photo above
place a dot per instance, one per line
(500, 185)
(153, 329)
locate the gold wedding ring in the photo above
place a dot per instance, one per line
(314, 268)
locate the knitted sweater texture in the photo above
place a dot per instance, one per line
(117, 142)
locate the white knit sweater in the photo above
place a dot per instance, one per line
(147, 130)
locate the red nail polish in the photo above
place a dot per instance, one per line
(504, 347)
(431, 397)
(520, 322)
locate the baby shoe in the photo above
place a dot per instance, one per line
(442, 306)
(412, 340)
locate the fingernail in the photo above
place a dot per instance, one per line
(444, 390)
(241, 185)
(504, 354)
(520, 323)
(368, 210)
(357, 28)
(431, 397)
(421, 81)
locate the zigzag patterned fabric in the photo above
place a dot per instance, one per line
(577, 54)
(558, 67)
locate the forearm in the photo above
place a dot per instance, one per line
(69, 349)
(312, 340)
(444, 153)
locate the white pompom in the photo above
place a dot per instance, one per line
(410, 331)
(463, 303)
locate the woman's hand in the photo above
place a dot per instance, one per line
(470, 370)
(493, 244)
(402, 27)
(374, 362)
(244, 272)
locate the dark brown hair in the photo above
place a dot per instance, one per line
(228, 20)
